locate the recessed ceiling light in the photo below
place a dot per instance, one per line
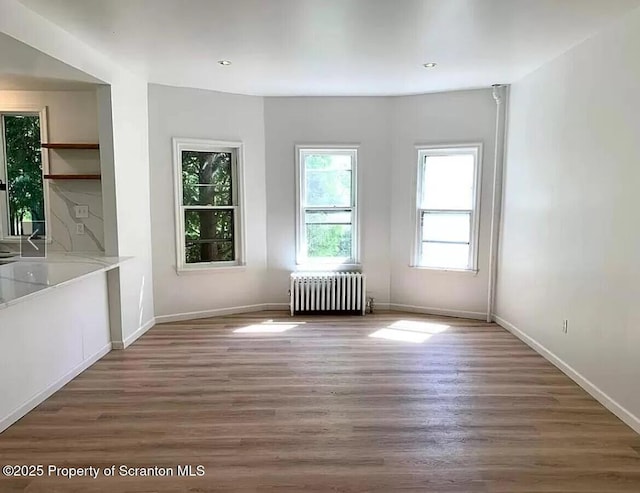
(429, 65)
(224, 62)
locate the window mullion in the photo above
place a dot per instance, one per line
(446, 242)
(329, 208)
(210, 207)
(447, 211)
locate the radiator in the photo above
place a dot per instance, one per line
(328, 292)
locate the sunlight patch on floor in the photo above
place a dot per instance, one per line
(266, 327)
(409, 331)
(400, 335)
(416, 326)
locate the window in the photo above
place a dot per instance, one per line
(208, 178)
(447, 205)
(327, 227)
(23, 191)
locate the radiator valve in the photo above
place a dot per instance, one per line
(370, 304)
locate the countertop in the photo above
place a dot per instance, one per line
(26, 278)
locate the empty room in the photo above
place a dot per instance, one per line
(319, 245)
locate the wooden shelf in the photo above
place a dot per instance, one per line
(73, 177)
(49, 145)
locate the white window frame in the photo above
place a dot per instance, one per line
(237, 177)
(474, 233)
(326, 263)
(41, 111)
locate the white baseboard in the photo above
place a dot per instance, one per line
(119, 345)
(436, 311)
(235, 310)
(381, 305)
(138, 333)
(627, 417)
(51, 389)
(179, 317)
(276, 306)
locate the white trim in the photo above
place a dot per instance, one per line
(208, 267)
(220, 312)
(611, 404)
(135, 336)
(378, 305)
(237, 169)
(40, 397)
(352, 150)
(428, 310)
(442, 269)
(44, 160)
(328, 267)
(217, 312)
(276, 306)
(476, 148)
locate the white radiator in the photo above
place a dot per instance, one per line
(328, 291)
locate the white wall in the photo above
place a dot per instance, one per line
(460, 117)
(439, 119)
(131, 183)
(361, 121)
(72, 117)
(570, 240)
(194, 113)
(387, 131)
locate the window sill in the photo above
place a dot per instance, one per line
(328, 267)
(208, 269)
(473, 272)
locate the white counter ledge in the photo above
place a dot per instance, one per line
(25, 277)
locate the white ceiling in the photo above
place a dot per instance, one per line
(15, 82)
(25, 68)
(332, 47)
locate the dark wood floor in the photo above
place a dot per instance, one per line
(323, 407)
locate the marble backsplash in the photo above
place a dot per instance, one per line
(63, 197)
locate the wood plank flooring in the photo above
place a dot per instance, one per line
(324, 407)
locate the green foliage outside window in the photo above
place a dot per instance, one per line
(329, 240)
(328, 184)
(207, 181)
(24, 170)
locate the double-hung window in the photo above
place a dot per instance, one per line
(327, 219)
(22, 163)
(447, 207)
(208, 177)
